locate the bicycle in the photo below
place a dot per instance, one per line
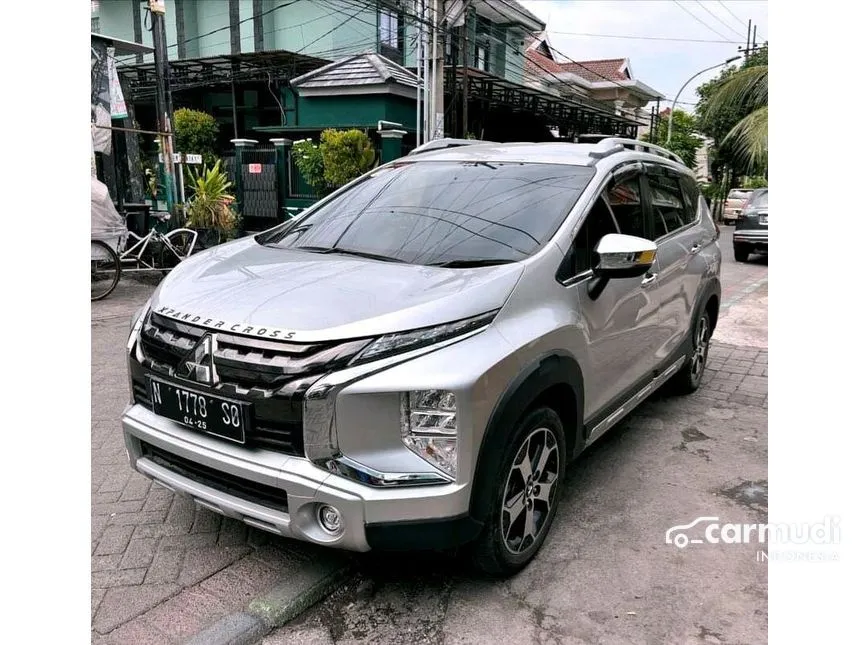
(172, 247)
(156, 251)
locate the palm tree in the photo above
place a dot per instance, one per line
(747, 89)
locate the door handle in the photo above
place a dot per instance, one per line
(649, 279)
(696, 248)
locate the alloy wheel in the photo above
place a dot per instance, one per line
(700, 348)
(530, 490)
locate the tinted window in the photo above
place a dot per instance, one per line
(626, 204)
(759, 200)
(691, 197)
(667, 203)
(598, 223)
(434, 212)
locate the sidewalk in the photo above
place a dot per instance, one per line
(162, 569)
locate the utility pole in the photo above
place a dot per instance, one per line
(464, 40)
(747, 48)
(437, 90)
(753, 40)
(164, 109)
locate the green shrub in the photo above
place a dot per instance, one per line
(195, 133)
(309, 160)
(346, 154)
(211, 204)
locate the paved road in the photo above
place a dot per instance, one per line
(163, 569)
(605, 574)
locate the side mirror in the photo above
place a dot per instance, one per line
(623, 256)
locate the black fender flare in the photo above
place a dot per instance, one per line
(544, 372)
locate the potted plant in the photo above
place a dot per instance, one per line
(211, 207)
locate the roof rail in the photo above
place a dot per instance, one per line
(610, 146)
(441, 144)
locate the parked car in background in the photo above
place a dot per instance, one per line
(734, 203)
(750, 235)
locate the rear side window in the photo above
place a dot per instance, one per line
(626, 203)
(670, 212)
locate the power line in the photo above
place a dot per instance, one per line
(699, 20)
(718, 19)
(678, 40)
(722, 4)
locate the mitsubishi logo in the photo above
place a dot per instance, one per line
(199, 364)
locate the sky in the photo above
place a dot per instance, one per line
(664, 65)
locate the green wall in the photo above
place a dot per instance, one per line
(355, 110)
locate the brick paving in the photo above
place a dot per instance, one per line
(162, 569)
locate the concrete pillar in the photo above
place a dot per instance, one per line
(241, 145)
(392, 144)
(282, 147)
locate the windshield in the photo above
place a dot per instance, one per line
(442, 213)
(759, 200)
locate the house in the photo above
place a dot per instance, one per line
(609, 82)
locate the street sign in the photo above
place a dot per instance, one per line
(177, 157)
(255, 168)
(193, 159)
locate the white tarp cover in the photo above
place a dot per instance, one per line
(107, 224)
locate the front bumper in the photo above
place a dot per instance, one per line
(371, 517)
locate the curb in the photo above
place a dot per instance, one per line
(281, 604)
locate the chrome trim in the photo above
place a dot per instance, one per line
(351, 469)
(633, 401)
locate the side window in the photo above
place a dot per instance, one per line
(691, 197)
(667, 202)
(626, 204)
(598, 223)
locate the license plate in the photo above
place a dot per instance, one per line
(213, 414)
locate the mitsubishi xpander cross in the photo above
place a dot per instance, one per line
(414, 361)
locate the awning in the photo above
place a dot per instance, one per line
(191, 73)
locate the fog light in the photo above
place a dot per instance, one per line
(330, 519)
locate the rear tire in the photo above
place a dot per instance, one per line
(688, 379)
(527, 489)
(742, 253)
(105, 270)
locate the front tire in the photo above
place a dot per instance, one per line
(526, 494)
(742, 253)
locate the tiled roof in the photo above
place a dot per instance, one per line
(608, 69)
(361, 69)
(540, 65)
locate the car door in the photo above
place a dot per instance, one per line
(678, 240)
(619, 324)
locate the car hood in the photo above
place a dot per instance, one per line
(245, 288)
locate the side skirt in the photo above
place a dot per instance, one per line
(625, 408)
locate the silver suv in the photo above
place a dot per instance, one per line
(415, 360)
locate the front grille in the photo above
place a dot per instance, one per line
(246, 489)
(273, 375)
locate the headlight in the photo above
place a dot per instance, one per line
(402, 342)
(428, 427)
(135, 323)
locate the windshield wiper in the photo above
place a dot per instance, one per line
(362, 254)
(467, 264)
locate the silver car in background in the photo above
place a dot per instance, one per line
(415, 361)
